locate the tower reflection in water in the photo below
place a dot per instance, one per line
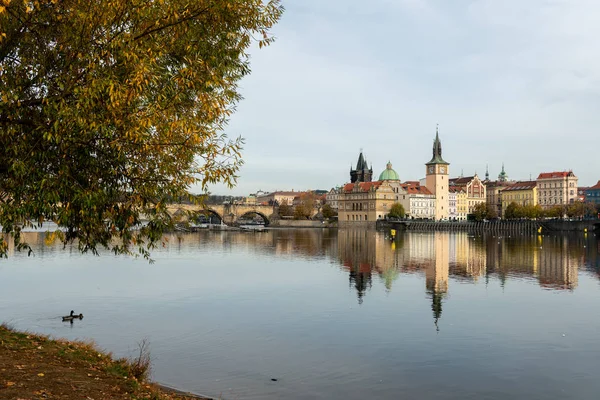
(552, 261)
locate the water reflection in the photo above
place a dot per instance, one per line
(511, 312)
(552, 260)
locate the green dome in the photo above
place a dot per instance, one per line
(389, 174)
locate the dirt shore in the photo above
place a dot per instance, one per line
(35, 367)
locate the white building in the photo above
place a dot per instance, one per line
(556, 188)
(333, 197)
(452, 210)
(417, 200)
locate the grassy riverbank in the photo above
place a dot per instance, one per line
(37, 367)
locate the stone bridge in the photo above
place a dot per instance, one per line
(229, 213)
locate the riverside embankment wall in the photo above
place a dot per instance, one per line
(524, 226)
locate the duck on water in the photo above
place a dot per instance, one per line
(72, 316)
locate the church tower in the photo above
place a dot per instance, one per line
(436, 179)
(362, 173)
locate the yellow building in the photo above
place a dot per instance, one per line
(366, 202)
(473, 187)
(494, 190)
(458, 204)
(523, 193)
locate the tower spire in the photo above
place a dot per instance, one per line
(487, 173)
(502, 177)
(437, 148)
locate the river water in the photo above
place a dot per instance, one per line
(332, 314)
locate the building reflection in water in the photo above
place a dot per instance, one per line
(554, 261)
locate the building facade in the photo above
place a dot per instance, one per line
(436, 179)
(458, 204)
(278, 198)
(364, 202)
(592, 194)
(333, 197)
(524, 193)
(556, 188)
(493, 190)
(581, 192)
(452, 204)
(417, 200)
(474, 189)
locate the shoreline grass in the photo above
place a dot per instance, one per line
(34, 366)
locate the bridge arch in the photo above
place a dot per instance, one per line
(254, 213)
(208, 216)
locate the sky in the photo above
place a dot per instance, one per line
(512, 81)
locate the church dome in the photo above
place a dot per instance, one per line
(389, 174)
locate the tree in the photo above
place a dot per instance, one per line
(513, 211)
(305, 205)
(328, 212)
(490, 212)
(479, 211)
(555, 212)
(580, 209)
(285, 210)
(108, 109)
(531, 211)
(397, 211)
(575, 210)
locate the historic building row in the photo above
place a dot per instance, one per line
(365, 201)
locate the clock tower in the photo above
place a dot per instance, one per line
(437, 179)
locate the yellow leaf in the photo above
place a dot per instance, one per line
(9, 383)
(40, 374)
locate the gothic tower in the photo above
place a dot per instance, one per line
(362, 173)
(436, 179)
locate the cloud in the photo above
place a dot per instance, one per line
(508, 81)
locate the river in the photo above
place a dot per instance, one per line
(327, 314)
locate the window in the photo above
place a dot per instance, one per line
(365, 217)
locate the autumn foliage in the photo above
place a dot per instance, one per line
(110, 108)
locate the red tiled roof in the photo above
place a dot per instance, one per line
(461, 181)
(596, 186)
(455, 189)
(364, 186)
(415, 189)
(525, 185)
(556, 174)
